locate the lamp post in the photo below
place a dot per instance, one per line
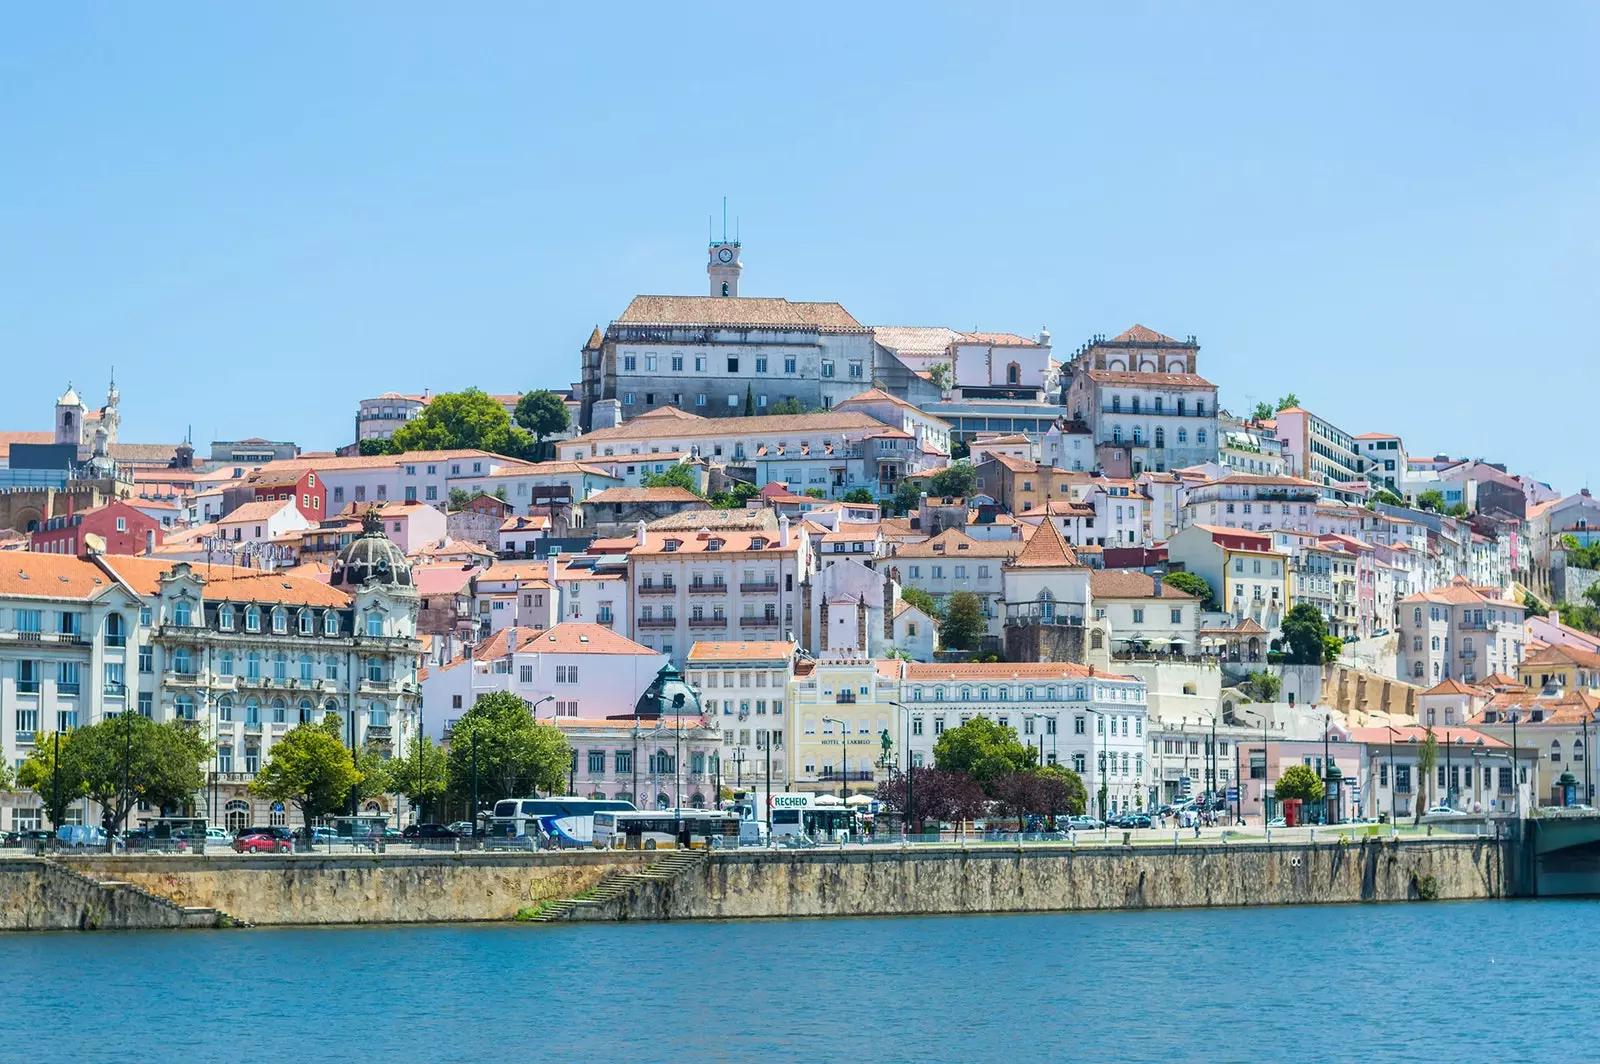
(1394, 780)
(910, 769)
(844, 772)
(1327, 726)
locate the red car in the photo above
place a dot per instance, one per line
(250, 841)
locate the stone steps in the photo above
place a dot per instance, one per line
(186, 915)
(615, 884)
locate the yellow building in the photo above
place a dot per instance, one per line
(1559, 668)
(1248, 578)
(840, 709)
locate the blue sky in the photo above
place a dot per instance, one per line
(261, 213)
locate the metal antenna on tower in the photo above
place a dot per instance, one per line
(724, 219)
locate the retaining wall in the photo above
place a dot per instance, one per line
(985, 879)
(310, 889)
(40, 895)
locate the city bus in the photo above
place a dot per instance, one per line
(799, 814)
(663, 829)
(564, 819)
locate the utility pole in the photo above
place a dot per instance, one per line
(474, 780)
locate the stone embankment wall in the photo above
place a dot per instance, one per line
(40, 895)
(991, 879)
(391, 888)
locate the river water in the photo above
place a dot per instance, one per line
(1461, 982)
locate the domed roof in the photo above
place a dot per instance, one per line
(371, 559)
(70, 399)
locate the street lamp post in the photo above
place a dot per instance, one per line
(909, 768)
(1327, 726)
(844, 761)
(1394, 780)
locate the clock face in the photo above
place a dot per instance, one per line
(725, 255)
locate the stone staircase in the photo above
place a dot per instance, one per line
(115, 903)
(605, 899)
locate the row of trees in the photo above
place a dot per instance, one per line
(120, 762)
(475, 420)
(982, 767)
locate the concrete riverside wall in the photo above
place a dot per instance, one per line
(311, 889)
(992, 879)
(39, 895)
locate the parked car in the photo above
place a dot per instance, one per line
(1277, 822)
(10, 838)
(1135, 820)
(463, 828)
(263, 840)
(81, 836)
(393, 834)
(1084, 823)
(1444, 812)
(425, 832)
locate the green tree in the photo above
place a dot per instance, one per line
(1298, 781)
(469, 419)
(160, 764)
(1427, 761)
(1194, 584)
(962, 624)
(542, 413)
(1262, 412)
(459, 498)
(8, 778)
(815, 493)
(1432, 499)
(1063, 792)
(1304, 632)
(939, 375)
(374, 772)
(368, 448)
(57, 790)
(956, 480)
(1264, 686)
(1332, 647)
(921, 600)
(749, 401)
(311, 769)
(419, 775)
(860, 496)
(515, 754)
(790, 405)
(678, 476)
(735, 497)
(907, 496)
(1287, 401)
(984, 750)
(1386, 497)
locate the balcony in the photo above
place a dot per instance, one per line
(235, 777)
(67, 688)
(758, 622)
(708, 589)
(658, 589)
(708, 622)
(760, 589)
(658, 622)
(72, 639)
(253, 728)
(378, 733)
(853, 775)
(115, 690)
(24, 737)
(604, 621)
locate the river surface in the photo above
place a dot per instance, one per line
(1462, 982)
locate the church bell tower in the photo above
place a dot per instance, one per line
(723, 265)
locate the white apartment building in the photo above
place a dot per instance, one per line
(953, 561)
(1458, 632)
(1318, 450)
(655, 763)
(537, 485)
(1089, 721)
(1253, 453)
(995, 365)
(381, 417)
(1136, 611)
(1252, 502)
(743, 688)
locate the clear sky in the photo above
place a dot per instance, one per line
(262, 213)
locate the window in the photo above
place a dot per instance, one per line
(330, 668)
(280, 667)
(827, 367)
(374, 623)
(566, 674)
(374, 670)
(252, 619)
(733, 363)
(146, 660)
(280, 620)
(182, 612)
(305, 622)
(330, 623)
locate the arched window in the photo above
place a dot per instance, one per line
(116, 631)
(1183, 435)
(374, 623)
(252, 711)
(308, 668)
(1047, 606)
(724, 287)
(1116, 433)
(378, 714)
(225, 708)
(1138, 435)
(966, 694)
(374, 809)
(275, 815)
(236, 815)
(331, 706)
(1416, 615)
(1417, 670)
(280, 711)
(1435, 642)
(280, 667)
(375, 670)
(307, 711)
(330, 623)
(697, 800)
(183, 661)
(280, 619)
(252, 619)
(1555, 749)
(307, 622)
(225, 618)
(1097, 640)
(1577, 749)
(252, 665)
(182, 612)
(185, 707)
(662, 801)
(330, 668)
(1161, 436)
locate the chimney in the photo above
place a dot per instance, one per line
(550, 571)
(783, 531)
(1555, 617)
(149, 541)
(638, 535)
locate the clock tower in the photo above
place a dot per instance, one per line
(723, 267)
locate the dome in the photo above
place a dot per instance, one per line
(371, 559)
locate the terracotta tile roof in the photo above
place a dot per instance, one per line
(924, 340)
(849, 532)
(1247, 626)
(570, 637)
(1265, 481)
(227, 583)
(8, 438)
(1557, 654)
(1165, 380)
(759, 425)
(1499, 679)
(953, 543)
(729, 541)
(999, 339)
(1141, 335)
(545, 469)
(643, 495)
(958, 672)
(51, 576)
(703, 652)
(1451, 686)
(878, 395)
(441, 579)
(525, 524)
(737, 311)
(1061, 508)
(254, 511)
(1046, 550)
(1570, 707)
(1131, 583)
(1001, 438)
(1460, 593)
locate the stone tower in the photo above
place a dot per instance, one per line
(723, 267)
(70, 413)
